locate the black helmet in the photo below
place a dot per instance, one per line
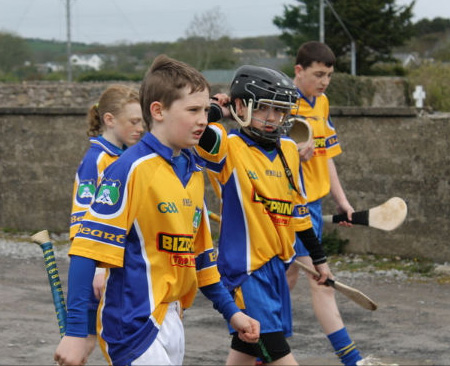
(257, 85)
(255, 82)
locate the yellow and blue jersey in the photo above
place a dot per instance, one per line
(150, 229)
(260, 211)
(100, 154)
(315, 170)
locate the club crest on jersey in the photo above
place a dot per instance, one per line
(86, 189)
(108, 192)
(197, 217)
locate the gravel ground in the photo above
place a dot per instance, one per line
(411, 326)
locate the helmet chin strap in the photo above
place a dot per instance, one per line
(247, 120)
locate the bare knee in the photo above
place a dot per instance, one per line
(292, 275)
(320, 289)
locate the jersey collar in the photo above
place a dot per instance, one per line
(195, 163)
(312, 102)
(106, 146)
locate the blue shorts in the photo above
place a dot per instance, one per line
(315, 210)
(265, 296)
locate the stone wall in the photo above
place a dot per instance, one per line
(387, 152)
(391, 155)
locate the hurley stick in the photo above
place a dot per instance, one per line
(213, 216)
(43, 240)
(352, 293)
(387, 216)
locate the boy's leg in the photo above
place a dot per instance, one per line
(324, 303)
(323, 297)
(272, 349)
(265, 296)
(329, 317)
(168, 347)
(240, 358)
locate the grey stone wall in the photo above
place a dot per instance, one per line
(388, 155)
(387, 152)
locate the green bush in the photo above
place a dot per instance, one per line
(349, 90)
(435, 79)
(332, 243)
(108, 76)
(8, 77)
(388, 69)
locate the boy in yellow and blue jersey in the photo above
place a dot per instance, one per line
(313, 69)
(148, 226)
(263, 208)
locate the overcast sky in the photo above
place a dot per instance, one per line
(111, 21)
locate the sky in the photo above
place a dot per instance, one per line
(132, 21)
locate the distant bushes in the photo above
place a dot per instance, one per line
(348, 90)
(108, 76)
(435, 79)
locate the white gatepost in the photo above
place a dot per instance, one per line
(419, 96)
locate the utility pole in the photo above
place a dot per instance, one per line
(69, 51)
(352, 40)
(322, 21)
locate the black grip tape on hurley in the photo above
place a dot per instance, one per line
(358, 218)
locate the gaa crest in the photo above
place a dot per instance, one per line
(86, 189)
(108, 192)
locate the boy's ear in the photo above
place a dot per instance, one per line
(298, 68)
(156, 110)
(239, 107)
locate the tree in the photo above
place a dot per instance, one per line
(14, 52)
(426, 26)
(207, 45)
(377, 26)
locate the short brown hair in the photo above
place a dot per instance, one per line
(164, 81)
(315, 51)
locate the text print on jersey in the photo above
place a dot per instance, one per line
(108, 237)
(273, 206)
(181, 248)
(167, 207)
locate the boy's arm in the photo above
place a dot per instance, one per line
(247, 328)
(73, 348)
(209, 139)
(338, 194)
(218, 110)
(316, 252)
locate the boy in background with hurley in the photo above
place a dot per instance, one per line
(148, 226)
(313, 69)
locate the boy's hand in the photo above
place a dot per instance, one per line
(348, 210)
(306, 150)
(247, 328)
(324, 272)
(98, 284)
(223, 100)
(72, 351)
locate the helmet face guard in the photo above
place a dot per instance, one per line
(263, 89)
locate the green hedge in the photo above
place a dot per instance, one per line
(348, 90)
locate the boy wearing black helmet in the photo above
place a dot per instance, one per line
(263, 207)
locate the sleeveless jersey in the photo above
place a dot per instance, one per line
(315, 170)
(101, 153)
(151, 230)
(260, 212)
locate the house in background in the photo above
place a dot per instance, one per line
(408, 59)
(94, 62)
